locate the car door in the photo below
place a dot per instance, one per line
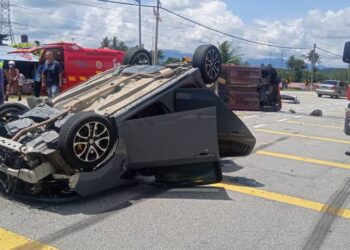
(234, 138)
(179, 147)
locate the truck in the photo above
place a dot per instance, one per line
(79, 63)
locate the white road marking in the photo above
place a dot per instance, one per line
(298, 116)
(260, 126)
(249, 116)
(282, 120)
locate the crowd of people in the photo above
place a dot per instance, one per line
(48, 75)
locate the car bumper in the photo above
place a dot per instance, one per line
(326, 92)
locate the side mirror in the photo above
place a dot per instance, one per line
(346, 53)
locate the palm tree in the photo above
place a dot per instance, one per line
(230, 54)
(314, 58)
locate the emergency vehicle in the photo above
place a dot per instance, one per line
(79, 63)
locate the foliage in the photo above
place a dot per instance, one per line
(298, 67)
(171, 60)
(313, 57)
(161, 55)
(23, 45)
(229, 54)
(114, 43)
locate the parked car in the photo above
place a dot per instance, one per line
(332, 88)
(122, 123)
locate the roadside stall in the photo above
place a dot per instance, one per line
(25, 63)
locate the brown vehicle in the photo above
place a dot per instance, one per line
(249, 88)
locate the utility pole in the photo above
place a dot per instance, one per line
(155, 55)
(140, 42)
(5, 22)
(313, 64)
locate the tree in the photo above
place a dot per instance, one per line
(297, 66)
(122, 46)
(171, 60)
(105, 43)
(23, 45)
(114, 43)
(161, 55)
(230, 54)
(314, 58)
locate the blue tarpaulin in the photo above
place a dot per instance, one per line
(17, 57)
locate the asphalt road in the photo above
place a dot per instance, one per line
(291, 193)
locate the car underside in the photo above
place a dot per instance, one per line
(130, 121)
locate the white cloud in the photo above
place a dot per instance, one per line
(56, 20)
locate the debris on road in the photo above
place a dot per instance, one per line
(316, 112)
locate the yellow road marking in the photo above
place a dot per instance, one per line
(304, 159)
(9, 240)
(295, 201)
(318, 138)
(315, 125)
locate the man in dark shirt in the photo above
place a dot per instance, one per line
(52, 75)
(1, 85)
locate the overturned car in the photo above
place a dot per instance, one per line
(135, 120)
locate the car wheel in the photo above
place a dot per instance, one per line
(208, 60)
(10, 111)
(319, 95)
(86, 140)
(137, 56)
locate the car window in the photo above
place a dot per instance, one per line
(330, 82)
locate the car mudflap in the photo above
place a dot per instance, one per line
(178, 148)
(234, 138)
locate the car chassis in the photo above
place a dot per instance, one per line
(126, 122)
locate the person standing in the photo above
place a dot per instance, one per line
(1, 84)
(52, 75)
(37, 79)
(12, 84)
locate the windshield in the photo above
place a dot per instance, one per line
(329, 82)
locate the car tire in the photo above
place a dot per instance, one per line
(208, 60)
(137, 56)
(319, 95)
(86, 140)
(9, 110)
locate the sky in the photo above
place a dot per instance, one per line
(292, 23)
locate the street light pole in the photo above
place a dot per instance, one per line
(313, 65)
(140, 42)
(155, 56)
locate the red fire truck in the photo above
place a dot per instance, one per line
(79, 63)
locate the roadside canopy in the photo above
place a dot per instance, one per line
(17, 57)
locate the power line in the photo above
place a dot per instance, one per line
(210, 28)
(331, 53)
(130, 4)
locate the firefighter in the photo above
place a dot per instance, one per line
(12, 84)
